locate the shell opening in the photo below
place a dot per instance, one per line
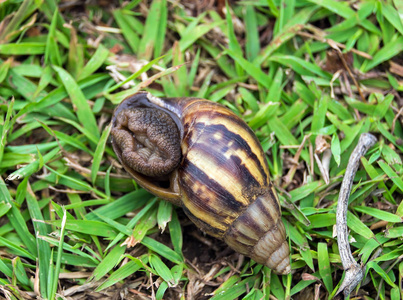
(146, 138)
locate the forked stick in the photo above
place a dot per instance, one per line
(354, 272)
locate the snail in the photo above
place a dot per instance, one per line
(201, 156)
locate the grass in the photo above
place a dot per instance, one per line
(68, 209)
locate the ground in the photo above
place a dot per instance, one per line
(309, 77)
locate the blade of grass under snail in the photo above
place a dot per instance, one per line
(164, 214)
(175, 232)
(146, 223)
(302, 243)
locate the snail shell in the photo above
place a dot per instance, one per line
(199, 155)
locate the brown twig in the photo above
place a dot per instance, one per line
(349, 72)
(354, 272)
(399, 113)
(325, 40)
(291, 172)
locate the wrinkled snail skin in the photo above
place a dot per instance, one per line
(222, 179)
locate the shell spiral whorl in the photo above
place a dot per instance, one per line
(222, 181)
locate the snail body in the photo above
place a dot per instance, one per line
(214, 168)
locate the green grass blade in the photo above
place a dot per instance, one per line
(23, 49)
(340, 8)
(87, 227)
(109, 262)
(155, 26)
(83, 110)
(123, 272)
(43, 248)
(130, 35)
(99, 152)
(6, 129)
(161, 269)
(251, 69)
(52, 55)
(379, 214)
(387, 52)
(33, 167)
(162, 250)
(164, 214)
(324, 266)
(95, 62)
(59, 257)
(252, 46)
(17, 220)
(392, 175)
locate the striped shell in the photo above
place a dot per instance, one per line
(222, 179)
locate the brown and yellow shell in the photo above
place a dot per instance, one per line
(220, 177)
